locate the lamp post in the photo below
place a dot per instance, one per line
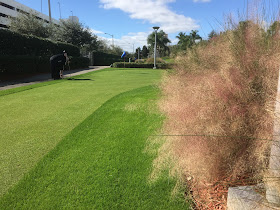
(155, 50)
(112, 38)
(132, 47)
(50, 14)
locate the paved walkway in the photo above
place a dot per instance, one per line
(45, 77)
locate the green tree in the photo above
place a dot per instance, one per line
(29, 24)
(195, 36)
(212, 34)
(75, 33)
(102, 46)
(184, 41)
(273, 28)
(91, 46)
(116, 50)
(136, 53)
(162, 41)
(145, 51)
(187, 41)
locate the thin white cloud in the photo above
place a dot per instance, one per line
(96, 31)
(201, 0)
(155, 12)
(130, 41)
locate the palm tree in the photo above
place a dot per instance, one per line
(187, 41)
(162, 41)
(184, 41)
(195, 36)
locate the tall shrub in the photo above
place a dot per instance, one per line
(218, 104)
(12, 43)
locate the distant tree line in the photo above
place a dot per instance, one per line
(164, 48)
(187, 41)
(68, 31)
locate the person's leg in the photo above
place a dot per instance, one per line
(52, 69)
(57, 72)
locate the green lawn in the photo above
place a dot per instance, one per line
(102, 163)
(35, 120)
(77, 150)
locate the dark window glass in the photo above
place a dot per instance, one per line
(3, 15)
(7, 6)
(3, 26)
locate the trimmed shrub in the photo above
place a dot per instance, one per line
(34, 64)
(12, 43)
(142, 65)
(79, 62)
(105, 59)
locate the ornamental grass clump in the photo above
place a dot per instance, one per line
(219, 104)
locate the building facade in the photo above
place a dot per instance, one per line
(11, 8)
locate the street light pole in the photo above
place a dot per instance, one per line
(155, 50)
(112, 38)
(132, 47)
(50, 14)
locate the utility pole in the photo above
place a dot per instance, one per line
(50, 14)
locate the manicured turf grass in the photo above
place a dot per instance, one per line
(34, 120)
(102, 163)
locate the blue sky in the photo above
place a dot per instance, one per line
(131, 21)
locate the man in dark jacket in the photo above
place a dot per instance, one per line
(57, 62)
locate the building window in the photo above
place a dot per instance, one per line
(38, 18)
(7, 6)
(23, 12)
(3, 15)
(3, 26)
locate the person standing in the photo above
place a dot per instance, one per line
(57, 62)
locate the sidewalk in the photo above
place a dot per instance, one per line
(45, 77)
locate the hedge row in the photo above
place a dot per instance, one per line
(105, 59)
(34, 64)
(142, 65)
(12, 43)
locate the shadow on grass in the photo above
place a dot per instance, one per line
(80, 79)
